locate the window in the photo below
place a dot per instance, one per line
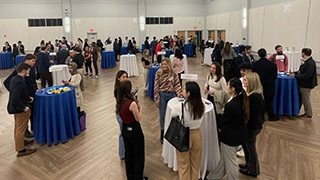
(159, 20)
(44, 22)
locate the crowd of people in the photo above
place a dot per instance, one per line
(240, 88)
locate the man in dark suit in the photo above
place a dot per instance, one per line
(267, 71)
(62, 54)
(20, 48)
(43, 67)
(146, 43)
(307, 80)
(248, 57)
(154, 44)
(239, 60)
(78, 59)
(18, 105)
(30, 83)
(116, 48)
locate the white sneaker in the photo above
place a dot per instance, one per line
(96, 76)
(240, 152)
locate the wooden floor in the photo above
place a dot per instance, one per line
(288, 149)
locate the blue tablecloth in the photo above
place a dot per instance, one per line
(152, 76)
(169, 52)
(55, 117)
(187, 50)
(286, 98)
(6, 60)
(19, 59)
(108, 59)
(124, 50)
(143, 47)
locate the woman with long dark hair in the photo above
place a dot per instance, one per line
(227, 55)
(217, 90)
(255, 92)
(130, 112)
(233, 131)
(87, 60)
(189, 162)
(95, 55)
(177, 64)
(146, 66)
(120, 77)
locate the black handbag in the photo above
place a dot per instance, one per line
(177, 134)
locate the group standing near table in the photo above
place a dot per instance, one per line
(232, 116)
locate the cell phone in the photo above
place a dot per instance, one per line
(134, 92)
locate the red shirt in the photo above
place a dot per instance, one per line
(125, 114)
(158, 48)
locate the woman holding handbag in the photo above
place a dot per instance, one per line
(130, 112)
(166, 87)
(120, 77)
(217, 90)
(193, 110)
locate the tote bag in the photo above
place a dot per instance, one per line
(177, 134)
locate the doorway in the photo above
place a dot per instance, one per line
(92, 37)
(197, 35)
(212, 34)
(222, 34)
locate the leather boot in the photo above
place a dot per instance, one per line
(161, 136)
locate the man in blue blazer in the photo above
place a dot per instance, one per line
(43, 67)
(18, 105)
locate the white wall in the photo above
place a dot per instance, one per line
(14, 21)
(105, 27)
(268, 24)
(175, 8)
(179, 24)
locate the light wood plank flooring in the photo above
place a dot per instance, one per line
(288, 149)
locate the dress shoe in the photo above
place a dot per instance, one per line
(246, 172)
(28, 134)
(273, 118)
(243, 166)
(27, 143)
(27, 152)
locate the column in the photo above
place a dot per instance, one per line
(142, 21)
(245, 22)
(66, 18)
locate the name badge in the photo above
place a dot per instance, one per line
(281, 57)
(170, 78)
(129, 128)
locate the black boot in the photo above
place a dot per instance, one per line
(161, 136)
(28, 134)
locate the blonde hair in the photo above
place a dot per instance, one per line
(145, 55)
(171, 73)
(254, 84)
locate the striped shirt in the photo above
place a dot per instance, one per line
(168, 84)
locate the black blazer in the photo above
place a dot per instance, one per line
(237, 61)
(62, 56)
(256, 111)
(146, 45)
(30, 81)
(21, 49)
(79, 59)
(307, 74)
(18, 96)
(267, 71)
(43, 62)
(233, 130)
(7, 50)
(247, 59)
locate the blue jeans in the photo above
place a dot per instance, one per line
(121, 142)
(164, 98)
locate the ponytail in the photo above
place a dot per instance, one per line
(246, 107)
